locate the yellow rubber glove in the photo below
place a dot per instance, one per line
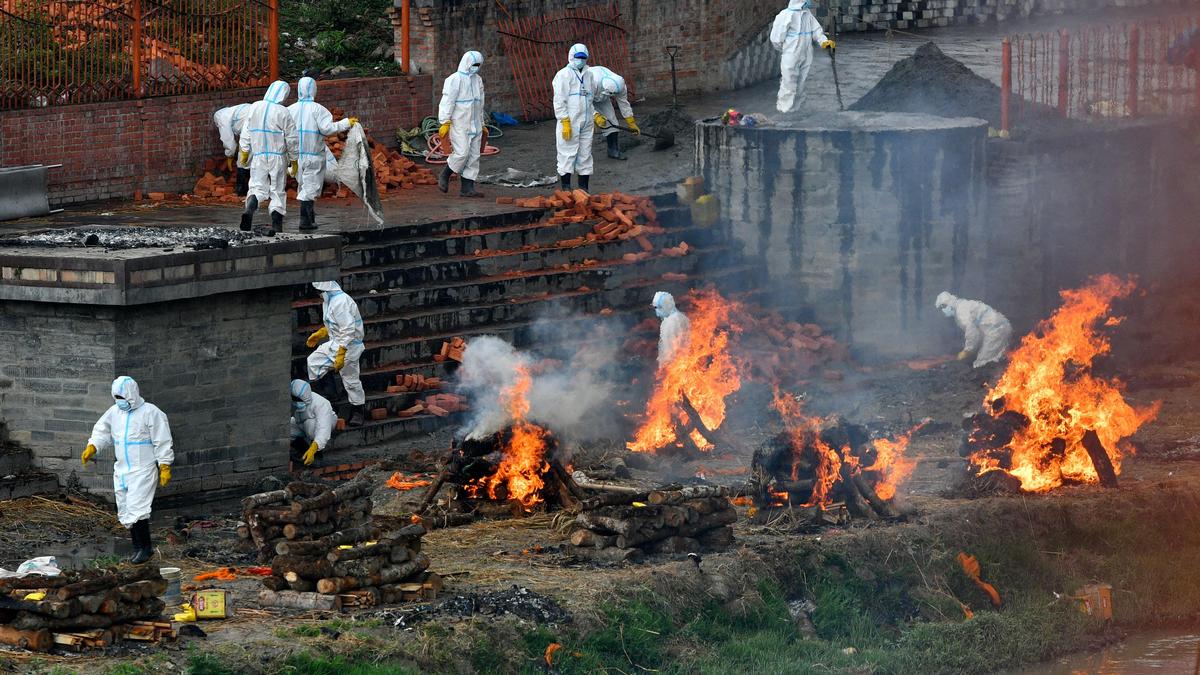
(164, 475)
(34, 597)
(244, 157)
(566, 129)
(294, 168)
(444, 130)
(632, 124)
(317, 337)
(828, 44)
(963, 355)
(601, 120)
(188, 615)
(88, 453)
(229, 164)
(339, 361)
(310, 454)
(353, 121)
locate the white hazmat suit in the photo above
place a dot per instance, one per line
(574, 90)
(140, 438)
(609, 87)
(270, 137)
(345, 326)
(987, 332)
(674, 330)
(313, 123)
(462, 106)
(313, 418)
(794, 33)
(230, 122)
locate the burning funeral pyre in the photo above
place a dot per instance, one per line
(824, 464)
(1049, 421)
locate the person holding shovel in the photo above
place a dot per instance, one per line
(794, 33)
(611, 87)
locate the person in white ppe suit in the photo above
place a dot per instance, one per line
(313, 123)
(138, 434)
(574, 90)
(460, 115)
(312, 421)
(794, 33)
(343, 345)
(230, 122)
(611, 87)
(673, 331)
(270, 144)
(987, 332)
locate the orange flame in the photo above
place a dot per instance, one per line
(893, 467)
(402, 481)
(1049, 381)
(524, 461)
(703, 371)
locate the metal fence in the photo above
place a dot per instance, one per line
(61, 52)
(1097, 71)
(537, 49)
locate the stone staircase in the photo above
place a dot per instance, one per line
(418, 286)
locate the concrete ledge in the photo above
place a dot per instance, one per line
(94, 276)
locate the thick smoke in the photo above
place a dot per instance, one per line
(571, 394)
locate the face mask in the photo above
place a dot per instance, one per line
(123, 404)
(298, 406)
(474, 70)
(660, 312)
(578, 64)
(948, 310)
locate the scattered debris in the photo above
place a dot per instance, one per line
(515, 601)
(124, 238)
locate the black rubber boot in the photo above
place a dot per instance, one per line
(565, 181)
(242, 183)
(308, 217)
(583, 182)
(468, 188)
(358, 415)
(248, 214)
(444, 179)
(277, 221)
(613, 141)
(143, 546)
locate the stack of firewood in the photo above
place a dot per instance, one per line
(338, 559)
(620, 526)
(86, 608)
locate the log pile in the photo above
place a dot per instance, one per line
(615, 527)
(81, 609)
(343, 561)
(798, 470)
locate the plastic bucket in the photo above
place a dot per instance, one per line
(172, 575)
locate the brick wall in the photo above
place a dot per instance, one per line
(111, 150)
(722, 41)
(217, 366)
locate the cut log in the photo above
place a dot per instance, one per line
(362, 567)
(300, 490)
(275, 583)
(57, 609)
(431, 493)
(610, 554)
(685, 493)
(883, 508)
(611, 498)
(598, 522)
(34, 640)
(363, 597)
(341, 493)
(358, 552)
(264, 498)
(622, 494)
(39, 581)
(714, 520)
(302, 585)
(296, 600)
(388, 575)
(567, 481)
(92, 604)
(303, 549)
(146, 609)
(109, 580)
(856, 503)
(141, 590)
(314, 531)
(292, 567)
(591, 539)
(1096, 450)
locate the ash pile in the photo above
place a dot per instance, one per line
(126, 238)
(325, 553)
(624, 526)
(83, 609)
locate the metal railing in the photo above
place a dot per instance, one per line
(61, 52)
(1097, 71)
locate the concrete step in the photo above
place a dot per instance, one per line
(392, 428)
(459, 243)
(393, 233)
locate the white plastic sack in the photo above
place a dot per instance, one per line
(331, 164)
(45, 565)
(354, 171)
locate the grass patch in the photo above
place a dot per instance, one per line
(310, 664)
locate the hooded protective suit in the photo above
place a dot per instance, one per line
(230, 122)
(313, 123)
(345, 326)
(794, 33)
(313, 418)
(462, 107)
(573, 93)
(269, 135)
(141, 440)
(987, 332)
(610, 86)
(674, 329)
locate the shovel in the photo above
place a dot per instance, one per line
(837, 86)
(662, 141)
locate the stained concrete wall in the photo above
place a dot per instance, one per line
(218, 366)
(859, 218)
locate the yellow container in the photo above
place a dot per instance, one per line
(690, 189)
(209, 604)
(706, 211)
(1096, 600)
